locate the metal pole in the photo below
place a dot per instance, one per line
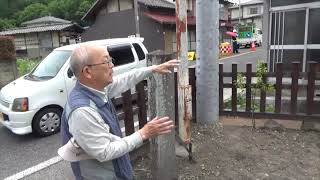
(207, 33)
(136, 17)
(184, 89)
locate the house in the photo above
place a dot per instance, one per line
(38, 37)
(155, 22)
(247, 13)
(291, 32)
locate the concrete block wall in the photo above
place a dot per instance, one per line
(8, 71)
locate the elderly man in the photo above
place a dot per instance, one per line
(89, 120)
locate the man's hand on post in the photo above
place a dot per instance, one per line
(164, 68)
(156, 127)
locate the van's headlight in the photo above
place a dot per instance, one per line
(20, 104)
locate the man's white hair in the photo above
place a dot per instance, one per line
(79, 58)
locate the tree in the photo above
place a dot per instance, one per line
(14, 12)
(32, 11)
(6, 24)
(56, 10)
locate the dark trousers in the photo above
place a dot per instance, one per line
(235, 47)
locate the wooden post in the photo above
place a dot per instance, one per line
(294, 87)
(161, 102)
(310, 87)
(263, 94)
(184, 89)
(248, 87)
(221, 87)
(128, 112)
(141, 102)
(192, 81)
(234, 88)
(279, 75)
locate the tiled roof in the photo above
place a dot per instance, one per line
(151, 3)
(45, 20)
(169, 19)
(253, 2)
(24, 30)
(158, 3)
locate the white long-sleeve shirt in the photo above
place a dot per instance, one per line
(93, 134)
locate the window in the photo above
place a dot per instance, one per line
(192, 44)
(122, 54)
(253, 11)
(314, 27)
(119, 5)
(51, 65)
(288, 56)
(289, 2)
(313, 55)
(139, 51)
(293, 34)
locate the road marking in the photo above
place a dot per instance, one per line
(221, 59)
(237, 55)
(34, 169)
(47, 163)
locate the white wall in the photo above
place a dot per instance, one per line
(246, 10)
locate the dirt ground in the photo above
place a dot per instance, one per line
(243, 153)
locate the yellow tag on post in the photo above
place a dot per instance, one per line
(191, 55)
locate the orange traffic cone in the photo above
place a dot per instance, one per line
(253, 46)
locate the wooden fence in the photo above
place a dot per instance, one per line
(135, 104)
(129, 105)
(299, 83)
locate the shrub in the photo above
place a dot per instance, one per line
(7, 49)
(25, 65)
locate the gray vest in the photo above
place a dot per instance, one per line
(80, 96)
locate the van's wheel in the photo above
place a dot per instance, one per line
(47, 122)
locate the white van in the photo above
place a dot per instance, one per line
(248, 35)
(34, 102)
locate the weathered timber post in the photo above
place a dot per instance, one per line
(161, 103)
(184, 89)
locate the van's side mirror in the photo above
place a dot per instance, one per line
(70, 73)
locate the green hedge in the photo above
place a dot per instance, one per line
(7, 49)
(24, 66)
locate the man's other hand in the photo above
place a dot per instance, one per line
(156, 127)
(166, 67)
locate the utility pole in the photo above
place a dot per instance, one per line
(239, 22)
(207, 81)
(184, 89)
(136, 17)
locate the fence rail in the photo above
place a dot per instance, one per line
(299, 83)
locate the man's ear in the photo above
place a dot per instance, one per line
(87, 72)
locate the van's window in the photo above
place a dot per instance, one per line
(50, 66)
(122, 54)
(139, 51)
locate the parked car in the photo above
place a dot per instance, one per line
(35, 101)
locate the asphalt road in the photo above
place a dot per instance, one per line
(244, 57)
(21, 155)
